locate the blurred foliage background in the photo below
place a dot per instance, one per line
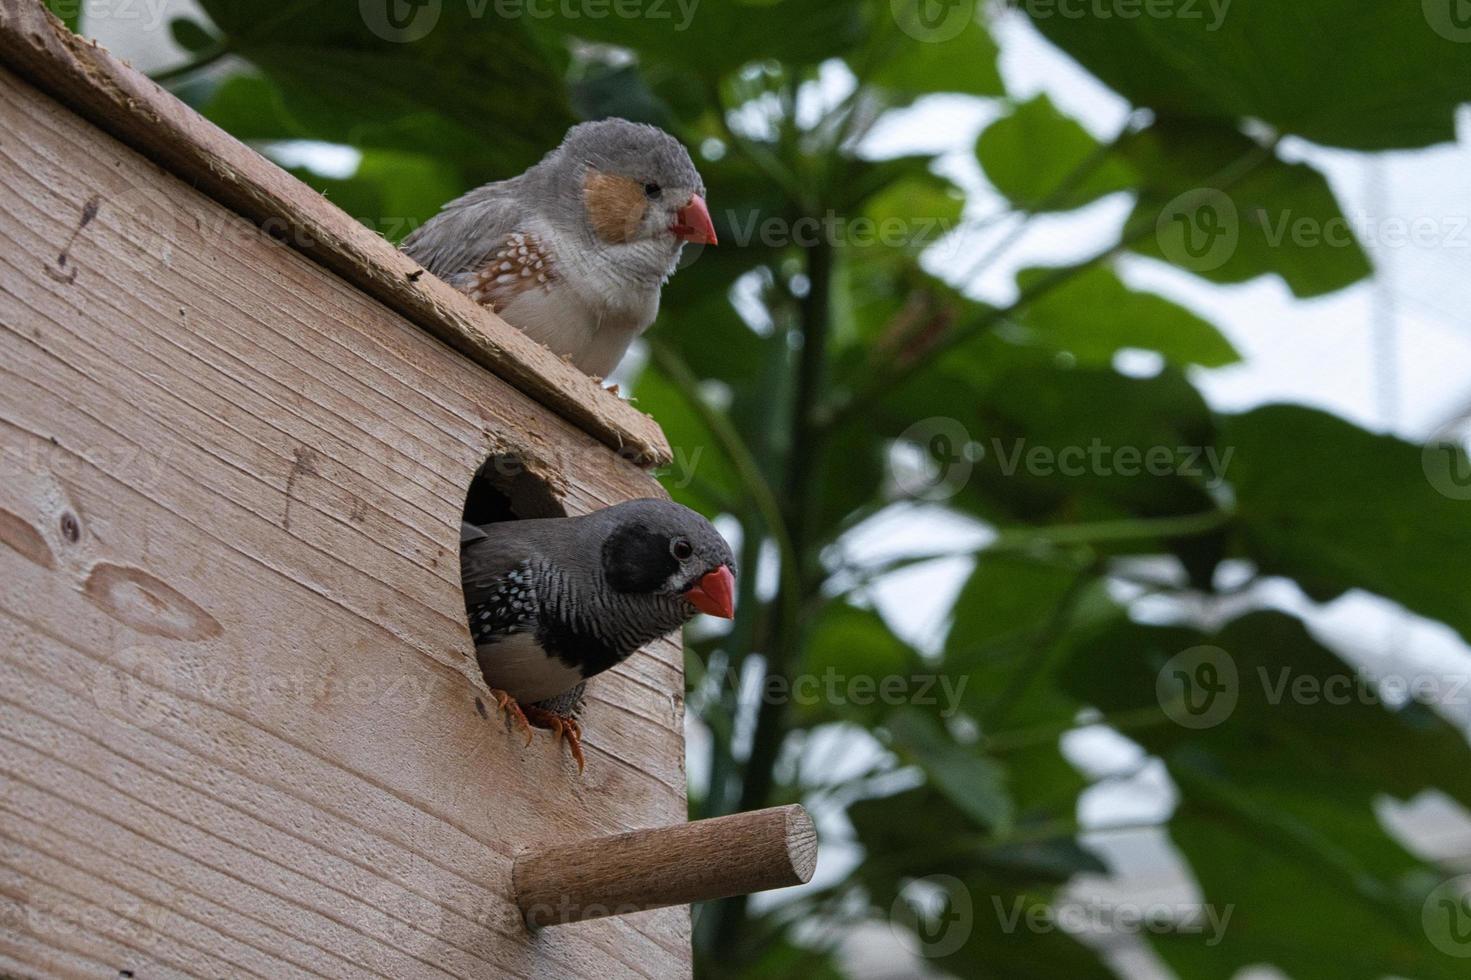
(818, 381)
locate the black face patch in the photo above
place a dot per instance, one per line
(636, 559)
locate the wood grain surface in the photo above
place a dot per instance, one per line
(133, 108)
(241, 730)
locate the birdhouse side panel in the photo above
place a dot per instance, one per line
(241, 726)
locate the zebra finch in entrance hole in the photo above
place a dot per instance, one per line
(552, 602)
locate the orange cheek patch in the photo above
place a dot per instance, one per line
(615, 205)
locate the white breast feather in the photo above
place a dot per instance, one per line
(590, 314)
(518, 665)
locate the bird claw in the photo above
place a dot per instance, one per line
(504, 702)
(531, 716)
(560, 725)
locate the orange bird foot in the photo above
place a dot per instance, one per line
(504, 702)
(559, 725)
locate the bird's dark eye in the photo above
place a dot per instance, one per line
(652, 190)
(681, 549)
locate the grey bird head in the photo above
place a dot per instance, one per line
(620, 183)
(666, 555)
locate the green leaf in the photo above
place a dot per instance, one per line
(699, 468)
(618, 91)
(972, 782)
(191, 35)
(710, 40)
(907, 217)
(1388, 76)
(392, 193)
(251, 107)
(1281, 218)
(1337, 508)
(1055, 439)
(69, 12)
(887, 310)
(918, 61)
(1044, 161)
(1006, 600)
(1285, 703)
(780, 958)
(714, 340)
(1278, 812)
(1001, 632)
(745, 207)
(885, 827)
(992, 892)
(1093, 316)
(337, 78)
(1283, 912)
(850, 654)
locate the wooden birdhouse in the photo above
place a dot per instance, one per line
(242, 729)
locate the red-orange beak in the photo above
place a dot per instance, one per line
(692, 223)
(715, 593)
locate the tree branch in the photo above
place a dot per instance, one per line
(845, 410)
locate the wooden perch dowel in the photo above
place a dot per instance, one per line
(650, 869)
